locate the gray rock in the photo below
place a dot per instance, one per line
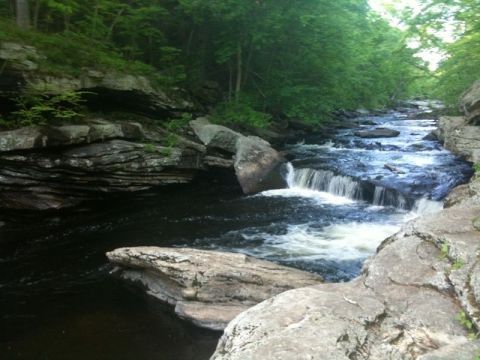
(208, 288)
(215, 136)
(470, 103)
(69, 176)
(405, 305)
(460, 137)
(377, 133)
(258, 166)
(21, 139)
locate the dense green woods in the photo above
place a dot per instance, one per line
(301, 59)
(434, 26)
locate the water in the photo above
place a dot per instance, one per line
(58, 300)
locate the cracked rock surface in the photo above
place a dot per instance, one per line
(405, 305)
(208, 288)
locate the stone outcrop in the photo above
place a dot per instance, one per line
(470, 104)
(460, 137)
(407, 304)
(215, 136)
(207, 288)
(52, 167)
(23, 69)
(377, 133)
(257, 165)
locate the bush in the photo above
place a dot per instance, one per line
(39, 109)
(241, 113)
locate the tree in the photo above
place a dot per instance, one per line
(22, 12)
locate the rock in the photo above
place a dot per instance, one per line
(405, 304)
(470, 103)
(460, 137)
(57, 178)
(24, 69)
(377, 133)
(258, 166)
(431, 136)
(206, 287)
(21, 139)
(215, 136)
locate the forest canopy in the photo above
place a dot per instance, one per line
(296, 58)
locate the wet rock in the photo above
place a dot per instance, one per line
(258, 166)
(206, 287)
(470, 104)
(215, 136)
(405, 305)
(431, 137)
(460, 137)
(377, 133)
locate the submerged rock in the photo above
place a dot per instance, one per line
(207, 288)
(405, 305)
(377, 133)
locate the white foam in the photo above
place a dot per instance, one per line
(349, 241)
(319, 196)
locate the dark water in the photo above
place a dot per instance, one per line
(58, 300)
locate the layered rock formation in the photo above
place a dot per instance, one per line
(62, 165)
(206, 287)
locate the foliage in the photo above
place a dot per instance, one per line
(476, 168)
(461, 65)
(464, 320)
(296, 58)
(444, 251)
(39, 109)
(239, 112)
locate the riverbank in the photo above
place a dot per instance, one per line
(417, 298)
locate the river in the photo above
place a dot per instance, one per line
(59, 300)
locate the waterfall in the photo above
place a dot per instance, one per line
(323, 180)
(348, 187)
(388, 197)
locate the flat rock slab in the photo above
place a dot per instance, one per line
(377, 133)
(208, 288)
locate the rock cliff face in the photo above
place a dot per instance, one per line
(52, 167)
(208, 288)
(460, 137)
(470, 104)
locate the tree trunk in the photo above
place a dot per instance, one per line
(238, 86)
(22, 11)
(36, 14)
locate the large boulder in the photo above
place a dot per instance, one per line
(258, 166)
(377, 133)
(207, 288)
(460, 137)
(407, 304)
(470, 103)
(215, 136)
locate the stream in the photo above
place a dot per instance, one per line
(58, 300)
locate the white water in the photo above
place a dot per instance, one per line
(348, 241)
